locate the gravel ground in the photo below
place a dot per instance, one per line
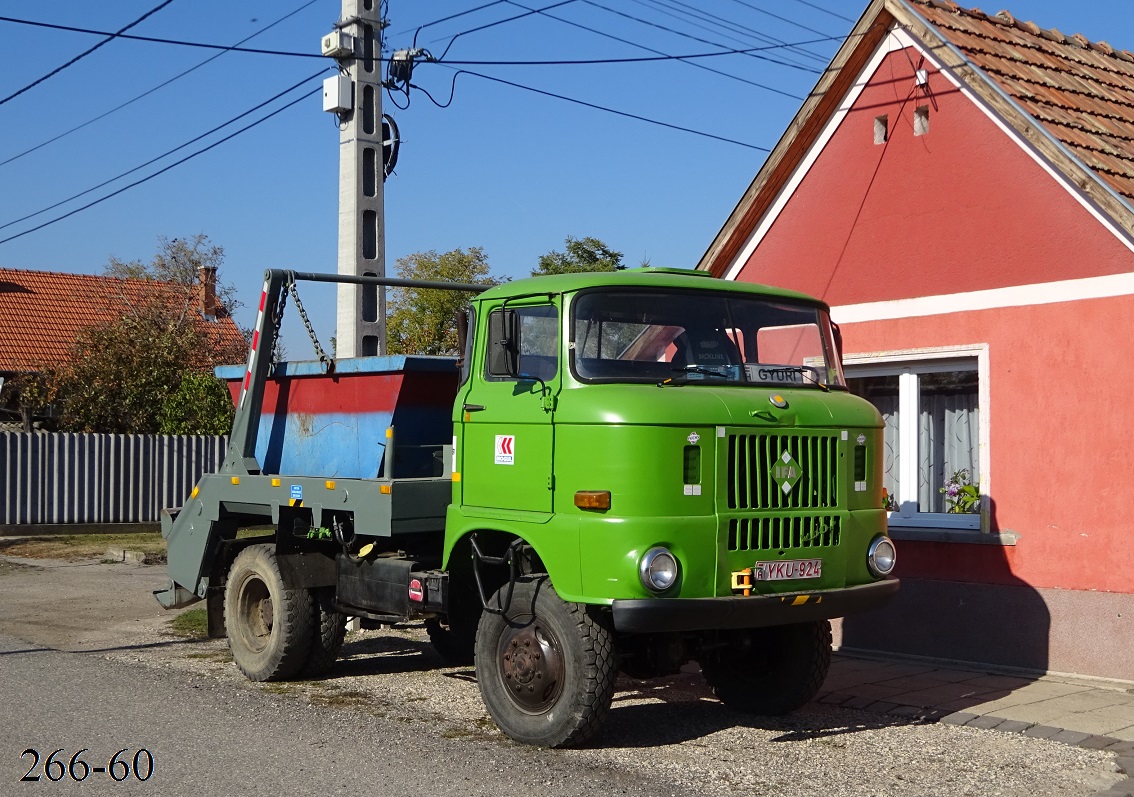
(670, 730)
(674, 729)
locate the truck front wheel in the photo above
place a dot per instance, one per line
(771, 671)
(270, 623)
(546, 668)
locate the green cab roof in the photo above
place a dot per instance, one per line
(647, 277)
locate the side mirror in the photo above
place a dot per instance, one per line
(503, 343)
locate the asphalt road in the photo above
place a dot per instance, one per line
(210, 739)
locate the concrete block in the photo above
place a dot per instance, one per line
(1070, 737)
(1013, 726)
(958, 718)
(1097, 742)
(986, 722)
(1042, 731)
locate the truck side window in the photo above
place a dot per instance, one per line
(527, 337)
(467, 347)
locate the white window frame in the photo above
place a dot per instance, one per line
(908, 364)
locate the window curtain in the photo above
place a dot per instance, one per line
(948, 441)
(891, 449)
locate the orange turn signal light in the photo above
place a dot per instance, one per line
(592, 499)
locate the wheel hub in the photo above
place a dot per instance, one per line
(531, 666)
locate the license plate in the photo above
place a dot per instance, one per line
(787, 570)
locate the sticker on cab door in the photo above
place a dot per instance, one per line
(505, 449)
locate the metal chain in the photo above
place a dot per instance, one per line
(327, 361)
(277, 320)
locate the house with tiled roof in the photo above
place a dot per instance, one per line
(959, 187)
(42, 313)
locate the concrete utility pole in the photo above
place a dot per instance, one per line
(361, 327)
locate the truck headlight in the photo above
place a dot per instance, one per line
(658, 569)
(881, 557)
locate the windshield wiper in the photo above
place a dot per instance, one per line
(683, 375)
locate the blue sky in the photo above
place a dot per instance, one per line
(502, 168)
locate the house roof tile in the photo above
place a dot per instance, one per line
(42, 312)
(1081, 91)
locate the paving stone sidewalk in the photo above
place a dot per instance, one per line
(1087, 712)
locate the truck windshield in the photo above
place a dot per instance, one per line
(679, 337)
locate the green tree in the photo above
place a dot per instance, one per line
(178, 262)
(148, 371)
(582, 254)
(201, 404)
(423, 321)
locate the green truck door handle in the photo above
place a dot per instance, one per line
(473, 407)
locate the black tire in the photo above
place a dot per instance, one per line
(270, 624)
(329, 630)
(771, 671)
(454, 638)
(546, 669)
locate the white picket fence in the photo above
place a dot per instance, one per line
(99, 478)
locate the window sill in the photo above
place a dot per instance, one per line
(971, 536)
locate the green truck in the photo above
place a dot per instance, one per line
(623, 472)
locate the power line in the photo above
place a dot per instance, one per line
(695, 18)
(732, 26)
(696, 38)
(451, 16)
(165, 154)
(759, 10)
(752, 51)
(684, 60)
(155, 88)
(85, 53)
(824, 10)
(175, 164)
(604, 108)
(501, 22)
(157, 39)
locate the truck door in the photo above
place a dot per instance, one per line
(508, 436)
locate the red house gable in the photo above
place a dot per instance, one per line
(960, 189)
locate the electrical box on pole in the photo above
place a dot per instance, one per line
(355, 96)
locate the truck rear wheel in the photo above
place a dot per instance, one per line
(771, 671)
(328, 633)
(546, 668)
(270, 624)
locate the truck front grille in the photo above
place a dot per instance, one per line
(752, 458)
(779, 533)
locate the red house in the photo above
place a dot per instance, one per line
(959, 187)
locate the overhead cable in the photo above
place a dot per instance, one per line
(684, 60)
(696, 38)
(608, 110)
(159, 86)
(751, 51)
(167, 153)
(759, 10)
(824, 10)
(157, 39)
(109, 37)
(451, 16)
(733, 26)
(173, 165)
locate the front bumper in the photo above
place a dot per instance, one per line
(755, 611)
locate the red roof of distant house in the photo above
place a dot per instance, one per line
(42, 312)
